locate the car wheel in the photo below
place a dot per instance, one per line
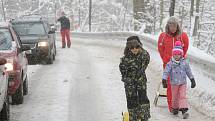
(55, 49)
(18, 97)
(25, 86)
(55, 52)
(53, 56)
(5, 112)
(50, 59)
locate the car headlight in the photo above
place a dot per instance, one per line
(42, 44)
(9, 65)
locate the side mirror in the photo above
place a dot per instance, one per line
(25, 47)
(3, 61)
(51, 32)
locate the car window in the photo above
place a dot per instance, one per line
(46, 27)
(14, 35)
(5, 39)
(29, 28)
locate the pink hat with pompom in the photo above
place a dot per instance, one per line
(178, 50)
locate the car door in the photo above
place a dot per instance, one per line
(22, 60)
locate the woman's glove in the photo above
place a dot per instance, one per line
(164, 83)
(193, 83)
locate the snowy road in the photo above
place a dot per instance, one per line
(84, 84)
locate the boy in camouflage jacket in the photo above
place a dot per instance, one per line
(132, 67)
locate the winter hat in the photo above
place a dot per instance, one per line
(178, 50)
(133, 44)
(130, 45)
(134, 38)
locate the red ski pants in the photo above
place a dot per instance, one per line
(169, 92)
(179, 100)
(65, 34)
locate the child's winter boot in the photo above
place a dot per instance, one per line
(185, 113)
(175, 111)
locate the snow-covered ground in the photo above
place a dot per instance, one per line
(84, 84)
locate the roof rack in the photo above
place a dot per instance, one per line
(31, 17)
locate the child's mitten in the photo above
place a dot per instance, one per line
(193, 83)
(164, 83)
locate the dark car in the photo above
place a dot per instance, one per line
(16, 66)
(36, 32)
(4, 100)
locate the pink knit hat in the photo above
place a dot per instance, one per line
(178, 50)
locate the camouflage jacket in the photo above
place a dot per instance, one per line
(132, 67)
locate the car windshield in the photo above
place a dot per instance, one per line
(5, 39)
(29, 29)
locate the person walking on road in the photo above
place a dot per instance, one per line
(65, 30)
(132, 67)
(178, 68)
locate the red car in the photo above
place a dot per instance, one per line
(16, 66)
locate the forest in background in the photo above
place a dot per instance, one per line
(197, 17)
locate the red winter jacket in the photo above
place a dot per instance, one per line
(166, 43)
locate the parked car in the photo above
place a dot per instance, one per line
(16, 66)
(36, 32)
(4, 99)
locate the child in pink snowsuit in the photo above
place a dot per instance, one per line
(178, 68)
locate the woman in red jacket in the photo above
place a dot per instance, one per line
(166, 43)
